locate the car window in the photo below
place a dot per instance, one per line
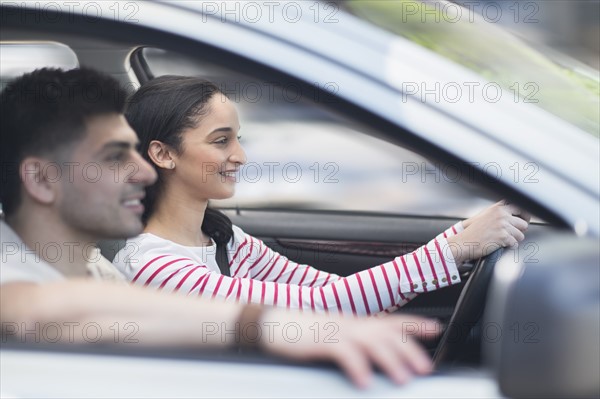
(17, 58)
(477, 43)
(301, 156)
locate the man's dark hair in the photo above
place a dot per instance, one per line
(46, 111)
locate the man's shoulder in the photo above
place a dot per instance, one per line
(8, 237)
(102, 269)
(19, 263)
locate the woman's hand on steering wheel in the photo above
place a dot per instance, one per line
(500, 225)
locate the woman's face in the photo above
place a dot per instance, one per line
(211, 153)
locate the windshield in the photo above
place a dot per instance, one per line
(458, 34)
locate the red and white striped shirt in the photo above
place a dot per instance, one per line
(260, 275)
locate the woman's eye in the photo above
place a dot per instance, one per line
(224, 140)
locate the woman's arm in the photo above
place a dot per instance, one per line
(267, 265)
(374, 290)
(370, 291)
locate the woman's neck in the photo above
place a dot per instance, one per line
(179, 219)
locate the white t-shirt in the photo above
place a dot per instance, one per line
(19, 263)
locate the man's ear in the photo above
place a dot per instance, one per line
(161, 154)
(38, 176)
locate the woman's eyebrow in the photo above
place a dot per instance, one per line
(222, 130)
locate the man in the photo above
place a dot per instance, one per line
(71, 176)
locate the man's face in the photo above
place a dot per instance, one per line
(102, 188)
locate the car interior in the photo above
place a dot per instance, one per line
(314, 230)
(359, 221)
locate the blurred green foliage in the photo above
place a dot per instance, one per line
(491, 52)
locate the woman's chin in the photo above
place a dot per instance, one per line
(223, 195)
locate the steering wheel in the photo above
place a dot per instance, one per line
(468, 310)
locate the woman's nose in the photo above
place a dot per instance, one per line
(238, 155)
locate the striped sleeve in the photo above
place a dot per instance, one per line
(451, 231)
(371, 291)
(261, 263)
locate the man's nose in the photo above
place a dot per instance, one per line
(145, 173)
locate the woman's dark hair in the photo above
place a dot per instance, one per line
(162, 110)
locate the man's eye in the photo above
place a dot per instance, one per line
(118, 157)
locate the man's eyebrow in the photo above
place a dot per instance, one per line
(125, 145)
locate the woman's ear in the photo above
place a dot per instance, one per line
(161, 155)
(39, 177)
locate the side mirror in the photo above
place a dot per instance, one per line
(541, 332)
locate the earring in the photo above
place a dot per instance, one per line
(172, 165)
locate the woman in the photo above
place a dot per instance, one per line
(188, 131)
